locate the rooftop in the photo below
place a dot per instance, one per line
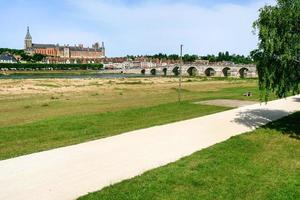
(7, 57)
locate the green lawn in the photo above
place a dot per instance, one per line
(63, 131)
(264, 164)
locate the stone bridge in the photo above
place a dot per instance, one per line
(199, 70)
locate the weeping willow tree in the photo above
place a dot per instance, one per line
(278, 53)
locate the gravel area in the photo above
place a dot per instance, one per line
(227, 103)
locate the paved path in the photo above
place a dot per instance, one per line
(227, 102)
(67, 173)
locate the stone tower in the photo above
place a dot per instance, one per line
(28, 40)
(103, 49)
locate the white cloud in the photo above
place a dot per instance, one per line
(161, 27)
(147, 27)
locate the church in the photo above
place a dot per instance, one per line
(66, 51)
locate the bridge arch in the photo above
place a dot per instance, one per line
(176, 71)
(165, 70)
(243, 72)
(226, 71)
(210, 72)
(192, 71)
(153, 72)
(143, 71)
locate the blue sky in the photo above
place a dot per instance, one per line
(134, 26)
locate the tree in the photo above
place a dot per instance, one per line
(227, 56)
(173, 57)
(130, 57)
(237, 59)
(189, 58)
(38, 57)
(278, 53)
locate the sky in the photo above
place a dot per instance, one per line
(134, 27)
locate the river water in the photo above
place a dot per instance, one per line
(67, 76)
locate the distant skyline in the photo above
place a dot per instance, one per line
(133, 26)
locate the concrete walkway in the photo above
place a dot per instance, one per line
(67, 173)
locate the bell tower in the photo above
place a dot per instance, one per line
(28, 40)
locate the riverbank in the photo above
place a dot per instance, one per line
(66, 74)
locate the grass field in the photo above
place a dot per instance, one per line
(43, 114)
(63, 131)
(26, 101)
(263, 164)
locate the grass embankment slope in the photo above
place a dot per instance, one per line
(263, 164)
(64, 131)
(38, 115)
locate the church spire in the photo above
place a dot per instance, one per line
(28, 36)
(28, 39)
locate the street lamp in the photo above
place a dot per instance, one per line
(180, 74)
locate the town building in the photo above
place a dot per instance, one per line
(65, 51)
(6, 58)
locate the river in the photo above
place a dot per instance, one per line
(67, 76)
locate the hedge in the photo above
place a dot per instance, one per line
(37, 66)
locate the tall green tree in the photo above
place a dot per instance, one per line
(278, 53)
(189, 58)
(38, 57)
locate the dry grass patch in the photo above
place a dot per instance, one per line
(80, 96)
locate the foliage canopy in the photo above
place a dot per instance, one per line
(237, 59)
(187, 58)
(278, 53)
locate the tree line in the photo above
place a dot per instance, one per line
(187, 58)
(226, 56)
